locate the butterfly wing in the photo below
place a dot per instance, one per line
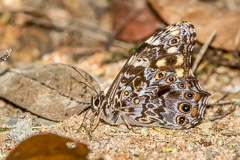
(153, 86)
(173, 104)
(168, 49)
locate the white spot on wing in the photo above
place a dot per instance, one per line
(153, 40)
(141, 62)
(175, 32)
(172, 50)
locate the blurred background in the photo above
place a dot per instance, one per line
(100, 35)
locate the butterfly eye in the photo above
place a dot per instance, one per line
(184, 107)
(181, 120)
(96, 102)
(189, 95)
(174, 41)
(181, 85)
(171, 79)
(160, 75)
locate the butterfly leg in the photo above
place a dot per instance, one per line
(128, 125)
(97, 121)
(84, 118)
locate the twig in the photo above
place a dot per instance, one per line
(223, 97)
(236, 44)
(6, 55)
(231, 110)
(223, 61)
(230, 134)
(222, 104)
(203, 50)
(209, 73)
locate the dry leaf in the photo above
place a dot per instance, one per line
(51, 91)
(141, 22)
(50, 147)
(205, 18)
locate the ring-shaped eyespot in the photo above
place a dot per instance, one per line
(145, 120)
(184, 107)
(182, 120)
(173, 41)
(160, 75)
(171, 79)
(189, 95)
(181, 85)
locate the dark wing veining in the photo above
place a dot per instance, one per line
(168, 49)
(156, 87)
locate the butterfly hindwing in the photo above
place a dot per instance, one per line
(177, 104)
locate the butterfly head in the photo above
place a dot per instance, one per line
(97, 101)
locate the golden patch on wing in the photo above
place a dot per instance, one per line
(197, 97)
(161, 63)
(179, 72)
(194, 111)
(136, 101)
(179, 59)
(126, 93)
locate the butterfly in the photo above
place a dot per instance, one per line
(156, 86)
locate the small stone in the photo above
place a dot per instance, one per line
(21, 131)
(169, 149)
(189, 148)
(230, 145)
(207, 132)
(212, 154)
(220, 141)
(144, 131)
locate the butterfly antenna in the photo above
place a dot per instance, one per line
(90, 85)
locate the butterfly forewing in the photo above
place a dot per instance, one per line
(168, 49)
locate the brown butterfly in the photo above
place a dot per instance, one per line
(156, 86)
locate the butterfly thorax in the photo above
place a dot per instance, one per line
(109, 111)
